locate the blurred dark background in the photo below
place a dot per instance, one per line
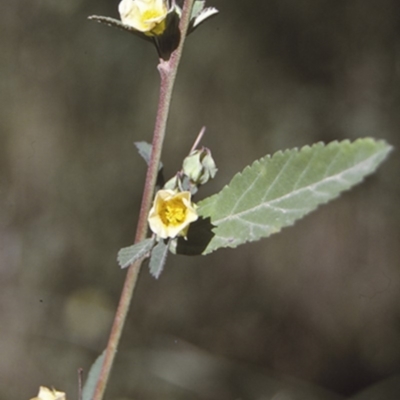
(311, 313)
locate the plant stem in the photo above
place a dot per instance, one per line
(168, 70)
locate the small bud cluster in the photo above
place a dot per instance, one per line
(173, 210)
(197, 169)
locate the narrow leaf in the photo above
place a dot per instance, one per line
(144, 150)
(129, 255)
(158, 258)
(203, 16)
(119, 25)
(197, 8)
(93, 376)
(276, 191)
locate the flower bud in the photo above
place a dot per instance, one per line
(147, 16)
(199, 166)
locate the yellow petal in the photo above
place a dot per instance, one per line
(172, 213)
(49, 394)
(143, 15)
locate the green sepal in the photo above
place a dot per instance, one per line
(199, 166)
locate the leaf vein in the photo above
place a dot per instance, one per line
(338, 177)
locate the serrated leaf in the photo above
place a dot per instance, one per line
(130, 254)
(93, 376)
(158, 258)
(276, 191)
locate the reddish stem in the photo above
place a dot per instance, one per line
(168, 70)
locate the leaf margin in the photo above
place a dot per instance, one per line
(206, 206)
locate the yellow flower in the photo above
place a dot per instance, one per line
(147, 16)
(172, 214)
(49, 394)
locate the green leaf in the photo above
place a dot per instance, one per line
(200, 14)
(129, 255)
(197, 8)
(276, 191)
(144, 150)
(159, 257)
(93, 376)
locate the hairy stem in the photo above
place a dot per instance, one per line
(168, 70)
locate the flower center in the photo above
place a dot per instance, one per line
(173, 212)
(151, 14)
